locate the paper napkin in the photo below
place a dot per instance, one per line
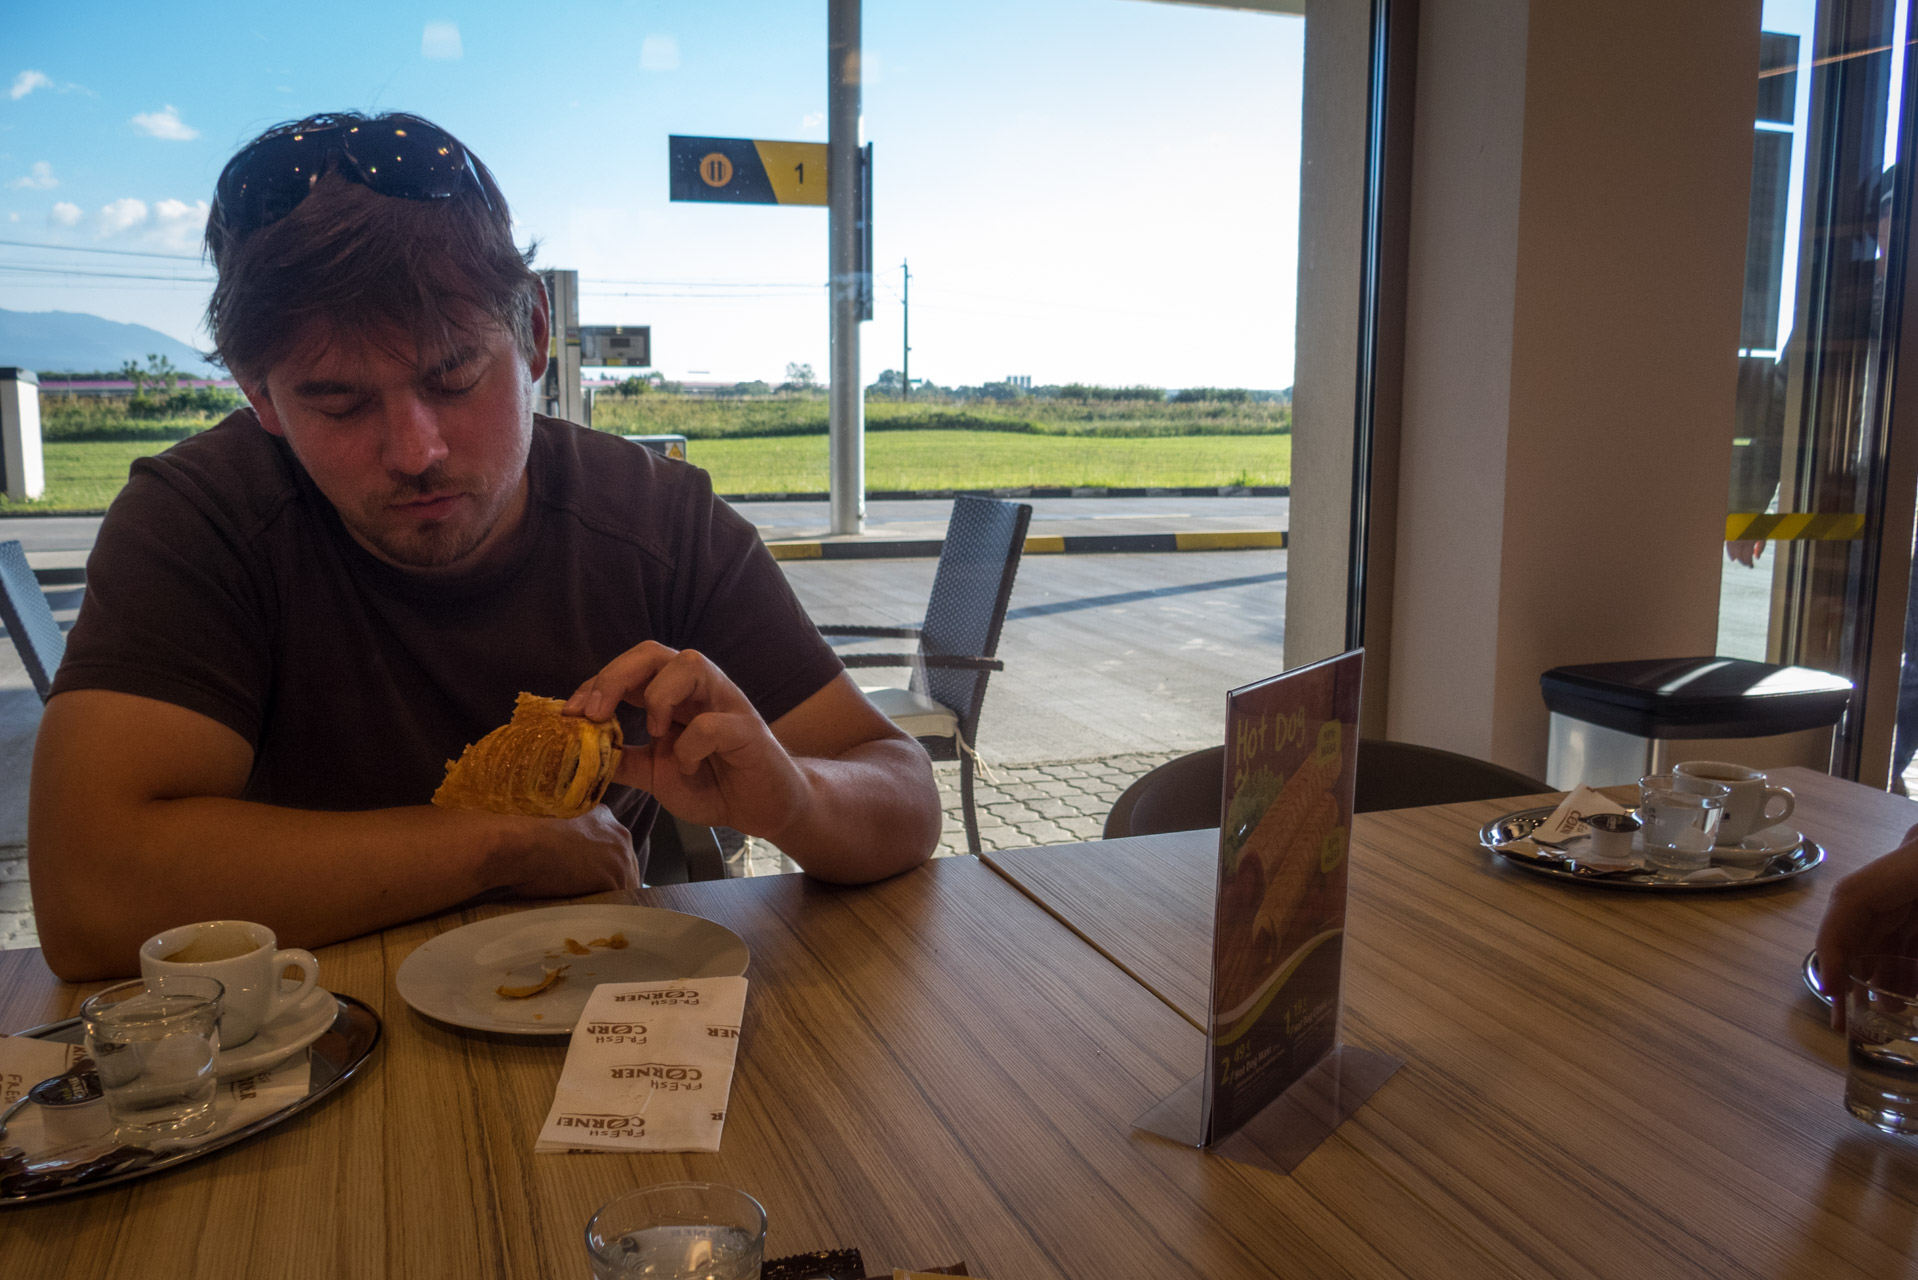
(239, 1102)
(25, 1062)
(649, 1068)
(1568, 820)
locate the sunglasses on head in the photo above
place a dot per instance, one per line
(395, 155)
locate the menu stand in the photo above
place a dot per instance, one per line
(1277, 1081)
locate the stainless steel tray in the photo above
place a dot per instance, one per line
(1514, 827)
(333, 1059)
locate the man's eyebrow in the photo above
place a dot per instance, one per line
(325, 387)
(452, 361)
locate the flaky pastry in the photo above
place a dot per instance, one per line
(541, 763)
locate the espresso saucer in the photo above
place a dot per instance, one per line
(280, 1039)
(1760, 847)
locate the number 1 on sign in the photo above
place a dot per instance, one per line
(800, 169)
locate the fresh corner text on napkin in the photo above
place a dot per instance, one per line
(649, 1068)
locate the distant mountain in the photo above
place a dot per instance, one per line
(52, 341)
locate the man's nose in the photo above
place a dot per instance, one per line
(412, 442)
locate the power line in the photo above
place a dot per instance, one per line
(35, 269)
(714, 284)
(81, 248)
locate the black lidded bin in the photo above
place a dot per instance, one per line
(1614, 722)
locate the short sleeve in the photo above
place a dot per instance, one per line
(731, 601)
(173, 609)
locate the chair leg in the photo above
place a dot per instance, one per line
(965, 801)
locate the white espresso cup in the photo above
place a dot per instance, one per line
(1754, 803)
(244, 957)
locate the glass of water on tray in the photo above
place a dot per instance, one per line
(155, 1042)
(678, 1231)
(1881, 1020)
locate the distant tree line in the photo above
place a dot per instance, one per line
(890, 384)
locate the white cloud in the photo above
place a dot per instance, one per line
(659, 53)
(812, 120)
(13, 217)
(64, 215)
(165, 123)
(123, 214)
(39, 178)
(442, 40)
(177, 225)
(26, 82)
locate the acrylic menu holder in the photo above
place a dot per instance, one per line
(1277, 1081)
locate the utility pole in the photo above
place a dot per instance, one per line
(905, 332)
(846, 462)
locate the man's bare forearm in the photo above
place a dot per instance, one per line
(103, 883)
(873, 811)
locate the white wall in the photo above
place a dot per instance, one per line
(1580, 186)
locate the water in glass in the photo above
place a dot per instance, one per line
(701, 1252)
(156, 1057)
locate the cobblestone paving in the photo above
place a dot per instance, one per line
(16, 908)
(1048, 803)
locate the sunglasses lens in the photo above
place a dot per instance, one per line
(262, 184)
(409, 159)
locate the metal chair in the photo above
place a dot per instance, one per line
(680, 852)
(957, 641)
(29, 619)
(1186, 794)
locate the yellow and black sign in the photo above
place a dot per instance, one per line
(745, 171)
(1794, 526)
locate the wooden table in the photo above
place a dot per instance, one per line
(936, 1067)
(1597, 1081)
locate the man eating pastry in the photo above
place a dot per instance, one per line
(294, 619)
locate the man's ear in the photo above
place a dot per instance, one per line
(542, 336)
(262, 402)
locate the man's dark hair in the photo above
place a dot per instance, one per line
(359, 261)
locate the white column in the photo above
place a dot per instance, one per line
(25, 470)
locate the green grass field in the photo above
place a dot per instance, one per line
(704, 418)
(756, 446)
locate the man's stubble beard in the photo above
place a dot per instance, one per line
(433, 546)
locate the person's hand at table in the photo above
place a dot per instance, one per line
(565, 858)
(832, 782)
(1874, 910)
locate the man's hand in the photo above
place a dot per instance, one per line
(564, 858)
(1745, 551)
(832, 782)
(712, 760)
(1873, 910)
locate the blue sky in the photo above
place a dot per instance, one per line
(1099, 190)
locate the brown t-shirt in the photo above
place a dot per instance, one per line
(223, 581)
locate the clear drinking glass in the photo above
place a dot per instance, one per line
(678, 1231)
(1681, 820)
(154, 1041)
(1881, 1020)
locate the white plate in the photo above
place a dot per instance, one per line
(455, 977)
(280, 1039)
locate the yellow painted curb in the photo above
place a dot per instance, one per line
(1232, 540)
(795, 550)
(1045, 544)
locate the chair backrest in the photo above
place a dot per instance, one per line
(29, 619)
(970, 592)
(1186, 794)
(1399, 775)
(1180, 795)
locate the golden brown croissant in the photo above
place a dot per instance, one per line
(542, 764)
